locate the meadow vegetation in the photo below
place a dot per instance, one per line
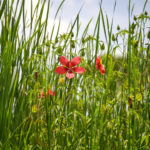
(105, 105)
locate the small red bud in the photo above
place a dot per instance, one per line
(36, 74)
(130, 102)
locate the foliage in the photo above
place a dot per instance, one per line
(40, 109)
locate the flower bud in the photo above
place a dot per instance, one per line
(56, 40)
(146, 13)
(72, 44)
(135, 43)
(82, 53)
(36, 75)
(83, 41)
(53, 46)
(148, 35)
(102, 46)
(59, 50)
(141, 15)
(72, 34)
(135, 18)
(130, 102)
(133, 26)
(118, 27)
(113, 38)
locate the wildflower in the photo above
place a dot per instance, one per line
(50, 92)
(99, 65)
(130, 102)
(61, 80)
(69, 67)
(34, 108)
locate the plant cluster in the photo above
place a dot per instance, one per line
(99, 103)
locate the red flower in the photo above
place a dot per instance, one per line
(130, 102)
(69, 67)
(99, 65)
(47, 93)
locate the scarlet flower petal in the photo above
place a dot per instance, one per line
(43, 94)
(70, 75)
(98, 60)
(79, 70)
(64, 61)
(50, 92)
(61, 70)
(75, 61)
(102, 69)
(97, 66)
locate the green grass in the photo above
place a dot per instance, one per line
(90, 111)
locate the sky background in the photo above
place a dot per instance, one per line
(90, 10)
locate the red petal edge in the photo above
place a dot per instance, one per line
(98, 60)
(79, 70)
(75, 61)
(64, 61)
(102, 69)
(97, 66)
(51, 93)
(61, 70)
